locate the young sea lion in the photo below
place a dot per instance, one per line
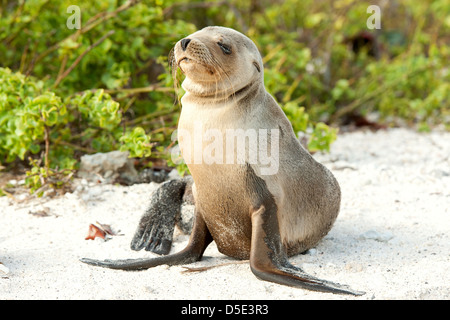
(254, 207)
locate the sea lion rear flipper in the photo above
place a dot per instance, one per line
(200, 238)
(155, 229)
(268, 260)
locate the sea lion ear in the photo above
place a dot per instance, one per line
(257, 66)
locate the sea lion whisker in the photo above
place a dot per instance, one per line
(223, 74)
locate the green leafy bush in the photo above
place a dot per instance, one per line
(137, 143)
(31, 117)
(58, 111)
(25, 113)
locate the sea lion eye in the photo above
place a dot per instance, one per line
(257, 66)
(225, 48)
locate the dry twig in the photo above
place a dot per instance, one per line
(81, 56)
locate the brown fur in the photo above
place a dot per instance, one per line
(249, 212)
(306, 193)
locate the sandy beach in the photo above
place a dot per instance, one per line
(391, 239)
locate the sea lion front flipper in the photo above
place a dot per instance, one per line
(268, 259)
(155, 229)
(200, 238)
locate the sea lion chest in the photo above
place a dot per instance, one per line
(220, 189)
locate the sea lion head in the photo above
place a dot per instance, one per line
(218, 61)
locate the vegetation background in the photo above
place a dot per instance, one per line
(107, 86)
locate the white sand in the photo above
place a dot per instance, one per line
(391, 239)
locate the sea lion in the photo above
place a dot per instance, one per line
(256, 208)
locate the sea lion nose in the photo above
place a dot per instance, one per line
(184, 43)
